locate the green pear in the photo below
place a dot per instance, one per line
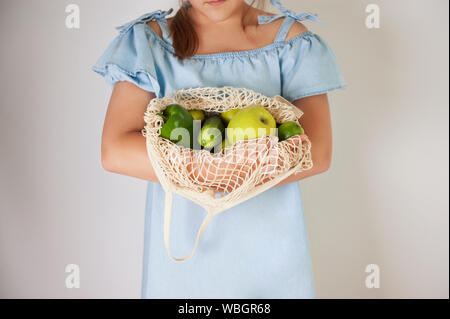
(250, 123)
(197, 115)
(228, 115)
(212, 132)
(289, 129)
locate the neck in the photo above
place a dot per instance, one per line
(238, 18)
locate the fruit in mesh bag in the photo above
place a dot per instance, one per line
(250, 123)
(212, 132)
(245, 160)
(228, 115)
(289, 129)
(178, 125)
(197, 115)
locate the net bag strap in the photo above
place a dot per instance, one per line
(167, 219)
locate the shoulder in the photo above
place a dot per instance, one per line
(153, 24)
(296, 29)
(155, 27)
(273, 27)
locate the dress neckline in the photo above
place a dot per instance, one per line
(289, 18)
(228, 54)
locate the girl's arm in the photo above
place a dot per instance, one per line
(317, 124)
(124, 148)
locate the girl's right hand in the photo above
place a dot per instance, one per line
(238, 164)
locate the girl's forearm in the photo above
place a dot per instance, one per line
(317, 169)
(317, 123)
(128, 156)
(321, 157)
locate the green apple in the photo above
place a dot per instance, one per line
(289, 129)
(197, 115)
(252, 122)
(228, 115)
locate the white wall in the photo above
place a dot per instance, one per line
(385, 200)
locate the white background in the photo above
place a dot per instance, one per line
(384, 201)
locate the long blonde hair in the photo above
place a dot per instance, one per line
(185, 39)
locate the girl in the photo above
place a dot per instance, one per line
(258, 249)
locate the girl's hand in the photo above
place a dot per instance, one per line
(284, 160)
(223, 172)
(258, 160)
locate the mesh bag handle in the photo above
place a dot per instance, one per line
(167, 224)
(206, 220)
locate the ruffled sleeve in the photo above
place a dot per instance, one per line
(308, 67)
(132, 57)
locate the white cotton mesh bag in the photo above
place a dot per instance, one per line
(218, 181)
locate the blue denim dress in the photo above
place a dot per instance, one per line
(259, 248)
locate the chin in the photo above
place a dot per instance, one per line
(217, 13)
